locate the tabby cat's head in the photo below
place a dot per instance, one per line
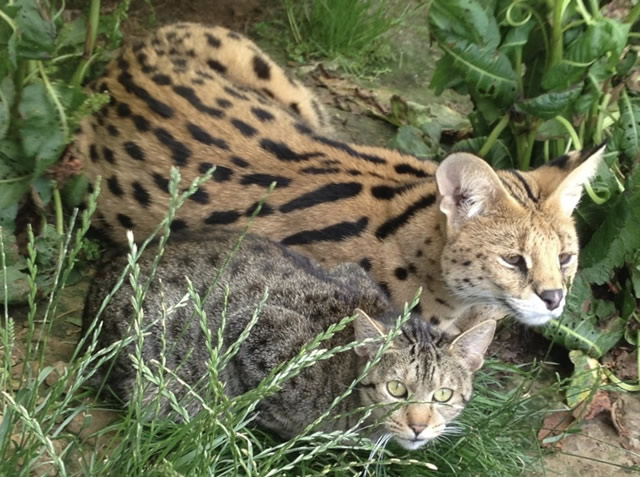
(425, 384)
(511, 240)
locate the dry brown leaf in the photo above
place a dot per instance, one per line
(592, 407)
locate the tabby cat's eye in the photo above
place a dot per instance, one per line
(443, 395)
(397, 389)
(565, 259)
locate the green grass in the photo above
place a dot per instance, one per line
(352, 33)
(496, 435)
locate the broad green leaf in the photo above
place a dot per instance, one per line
(579, 327)
(628, 126)
(75, 190)
(486, 71)
(17, 286)
(445, 75)
(549, 105)
(409, 139)
(616, 238)
(8, 218)
(550, 129)
(40, 128)
(498, 156)
(13, 182)
(585, 379)
(467, 19)
(37, 32)
(517, 37)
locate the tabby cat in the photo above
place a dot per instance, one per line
(304, 300)
(194, 96)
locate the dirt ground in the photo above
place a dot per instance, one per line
(601, 447)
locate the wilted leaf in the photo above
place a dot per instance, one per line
(549, 105)
(585, 379)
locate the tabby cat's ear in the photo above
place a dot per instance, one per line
(568, 190)
(473, 343)
(366, 327)
(467, 186)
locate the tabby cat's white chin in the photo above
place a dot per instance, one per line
(411, 444)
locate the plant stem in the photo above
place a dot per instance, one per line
(577, 144)
(556, 32)
(598, 133)
(89, 43)
(633, 14)
(57, 201)
(525, 158)
(493, 136)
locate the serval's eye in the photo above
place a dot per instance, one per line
(514, 261)
(397, 389)
(566, 259)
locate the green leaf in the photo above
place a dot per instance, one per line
(40, 128)
(468, 19)
(549, 105)
(498, 156)
(75, 190)
(628, 126)
(616, 238)
(409, 139)
(17, 286)
(37, 32)
(580, 54)
(517, 36)
(486, 71)
(7, 98)
(579, 327)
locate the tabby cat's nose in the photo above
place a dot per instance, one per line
(417, 428)
(552, 298)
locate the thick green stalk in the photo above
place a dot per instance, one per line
(633, 14)
(89, 43)
(556, 32)
(493, 136)
(525, 158)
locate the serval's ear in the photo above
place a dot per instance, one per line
(579, 168)
(468, 187)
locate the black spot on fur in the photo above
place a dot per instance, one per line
(178, 225)
(161, 181)
(333, 233)
(203, 167)
(180, 153)
(265, 210)
(245, 129)
(154, 104)
(205, 138)
(320, 170)
(262, 114)
(401, 273)
(123, 110)
(326, 193)
(384, 286)
(283, 153)
(435, 321)
(161, 80)
(349, 150)
(125, 221)
(265, 180)
(200, 196)
(261, 68)
(108, 155)
(93, 153)
(295, 108)
(216, 66)
(408, 169)
(384, 192)
(235, 94)
(133, 150)
(466, 263)
(366, 264)
(238, 161)
(141, 194)
(224, 103)
(141, 123)
(190, 95)
(112, 130)
(114, 186)
(222, 174)
(303, 129)
(222, 218)
(395, 223)
(213, 41)
(419, 253)
(234, 35)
